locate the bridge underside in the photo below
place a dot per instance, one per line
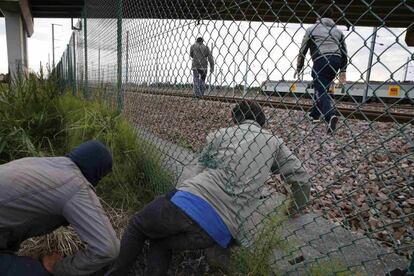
(388, 13)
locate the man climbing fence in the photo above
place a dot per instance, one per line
(212, 207)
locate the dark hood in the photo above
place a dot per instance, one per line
(93, 159)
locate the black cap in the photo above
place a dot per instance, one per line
(93, 159)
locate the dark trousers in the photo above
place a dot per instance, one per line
(199, 76)
(167, 228)
(411, 267)
(323, 72)
(12, 265)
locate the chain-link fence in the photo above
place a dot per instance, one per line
(352, 132)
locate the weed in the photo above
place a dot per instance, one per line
(257, 259)
(330, 267)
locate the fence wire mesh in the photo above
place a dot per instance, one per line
(360, 210)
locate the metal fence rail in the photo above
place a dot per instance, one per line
(360, 214)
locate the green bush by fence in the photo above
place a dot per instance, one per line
(37, 120)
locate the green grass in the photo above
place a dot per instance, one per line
(37, 120)
(258, 258)
(330, 267)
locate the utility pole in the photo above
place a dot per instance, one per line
(211, 73)
(406, 69)
(157, 73)
(53, 45)
(234, 77)
(247, 61)
(371, 55)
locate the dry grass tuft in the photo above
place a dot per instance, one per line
(65, 241)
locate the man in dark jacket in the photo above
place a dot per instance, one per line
(200, 54)
(40, 194)
(329, 55)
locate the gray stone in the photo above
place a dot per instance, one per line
(310, 235)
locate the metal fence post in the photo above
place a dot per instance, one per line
(119, 50)
(85, 40)
(74, 64)
(99, 66)
(127, 59)
(69, 65)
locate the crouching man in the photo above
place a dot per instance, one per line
(212, 207)
(40, 194)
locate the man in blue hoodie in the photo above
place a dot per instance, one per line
(40, 194)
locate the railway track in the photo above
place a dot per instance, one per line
(351, 111)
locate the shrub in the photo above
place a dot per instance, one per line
(137, 174)
(36, 120)
(29, 120)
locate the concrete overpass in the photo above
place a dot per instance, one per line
(19, 14)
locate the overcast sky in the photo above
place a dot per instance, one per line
(40, 44)
(158, 49)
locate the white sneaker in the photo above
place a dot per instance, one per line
(313, 120)
(332, 124)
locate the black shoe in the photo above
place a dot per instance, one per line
(332, 124)
(398, 272)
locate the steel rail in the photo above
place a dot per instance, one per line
(356, 112)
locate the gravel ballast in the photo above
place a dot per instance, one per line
(362, 176)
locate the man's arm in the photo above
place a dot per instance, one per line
(344, 54)
(192, 51)
(210, 59)
(292, 172)
(303, 51)
(84, 212)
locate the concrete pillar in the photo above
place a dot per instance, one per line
(16, 43)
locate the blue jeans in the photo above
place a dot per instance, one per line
(12, 265)
(199, 77)
(323, 72)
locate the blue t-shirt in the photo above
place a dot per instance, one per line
(201, 212)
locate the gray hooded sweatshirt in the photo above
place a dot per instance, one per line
(200, 53)
(39, 195)
(323, 39)
(234, 167)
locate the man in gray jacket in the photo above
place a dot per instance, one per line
(200, 53)
(213, 207)
(40, 194)
(329, 55)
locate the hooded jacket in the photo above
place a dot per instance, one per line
(200, 53)
(38, 195)
(233, 168)
(323, 39)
